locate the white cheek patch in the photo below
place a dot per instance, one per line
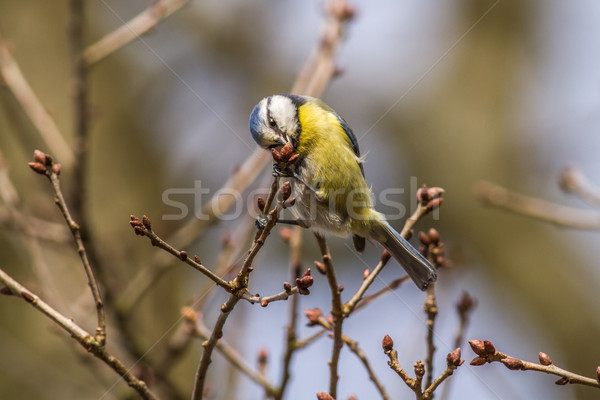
(284, 112)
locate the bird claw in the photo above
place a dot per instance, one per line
(260, 222)
(282, 172)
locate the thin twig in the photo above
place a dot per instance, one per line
(130, 30)
(464, 308)
(241, 284)
(43, 165)
(13, 78)
(353, 346)
(487, 353)
(533, 207)
(199, 330)
(295, 242)
(431, 310)
(89, 342)
(337, 314)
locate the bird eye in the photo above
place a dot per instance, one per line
(272, 122)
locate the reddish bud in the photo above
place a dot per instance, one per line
(28, 297)
(39, 156)
(276, 155)
(260, 202)
(385, 256)
(138, 230)
(387, 343)
(287, 287)
(513, 363)
(434, 236)
(197, 259)
(285, 234)
(285, 191)
(320, 267)
(264, 303)
(562, 381)
(489, 347)
(366, 273)
(293, 159)
(478, 347)
(436, 203)
(424, 238)
(598, 374)
(48, 159)
(190, 315)
(5, 290)
(289, 202)
(263, 356)
(423, 195)
(260, 241)
(454, 358)
(465, 304)
(37, 167)
(313, 316)
(545, 359)
(56, 169)
(478, 361)
(183, 255)
(146, 222)
(324, 396)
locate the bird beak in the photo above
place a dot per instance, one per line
(282, 140)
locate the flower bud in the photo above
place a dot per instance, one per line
(387, 343)
(545, 359)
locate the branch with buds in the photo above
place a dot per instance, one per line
(453, 361)
(487, 353)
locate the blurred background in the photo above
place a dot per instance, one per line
(442, 93)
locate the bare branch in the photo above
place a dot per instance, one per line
(241, 284)
(91, 344)
(336, 312)
(130, 30)
(44, 165)
(487, 353)
(533, 207)
(32, 106)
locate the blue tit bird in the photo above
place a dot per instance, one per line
(327, 177)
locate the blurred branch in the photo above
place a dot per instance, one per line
(130, 30)
(44, 165)
(90, 343)
(572, 180)
(30, 232)
(533, 207)
(465, 306)
(487, 353)
(45, 125)
(199, 330)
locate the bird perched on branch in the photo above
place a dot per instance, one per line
(327, 176)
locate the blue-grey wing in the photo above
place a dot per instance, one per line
(353, 141)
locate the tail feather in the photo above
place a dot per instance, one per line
(415, 265)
